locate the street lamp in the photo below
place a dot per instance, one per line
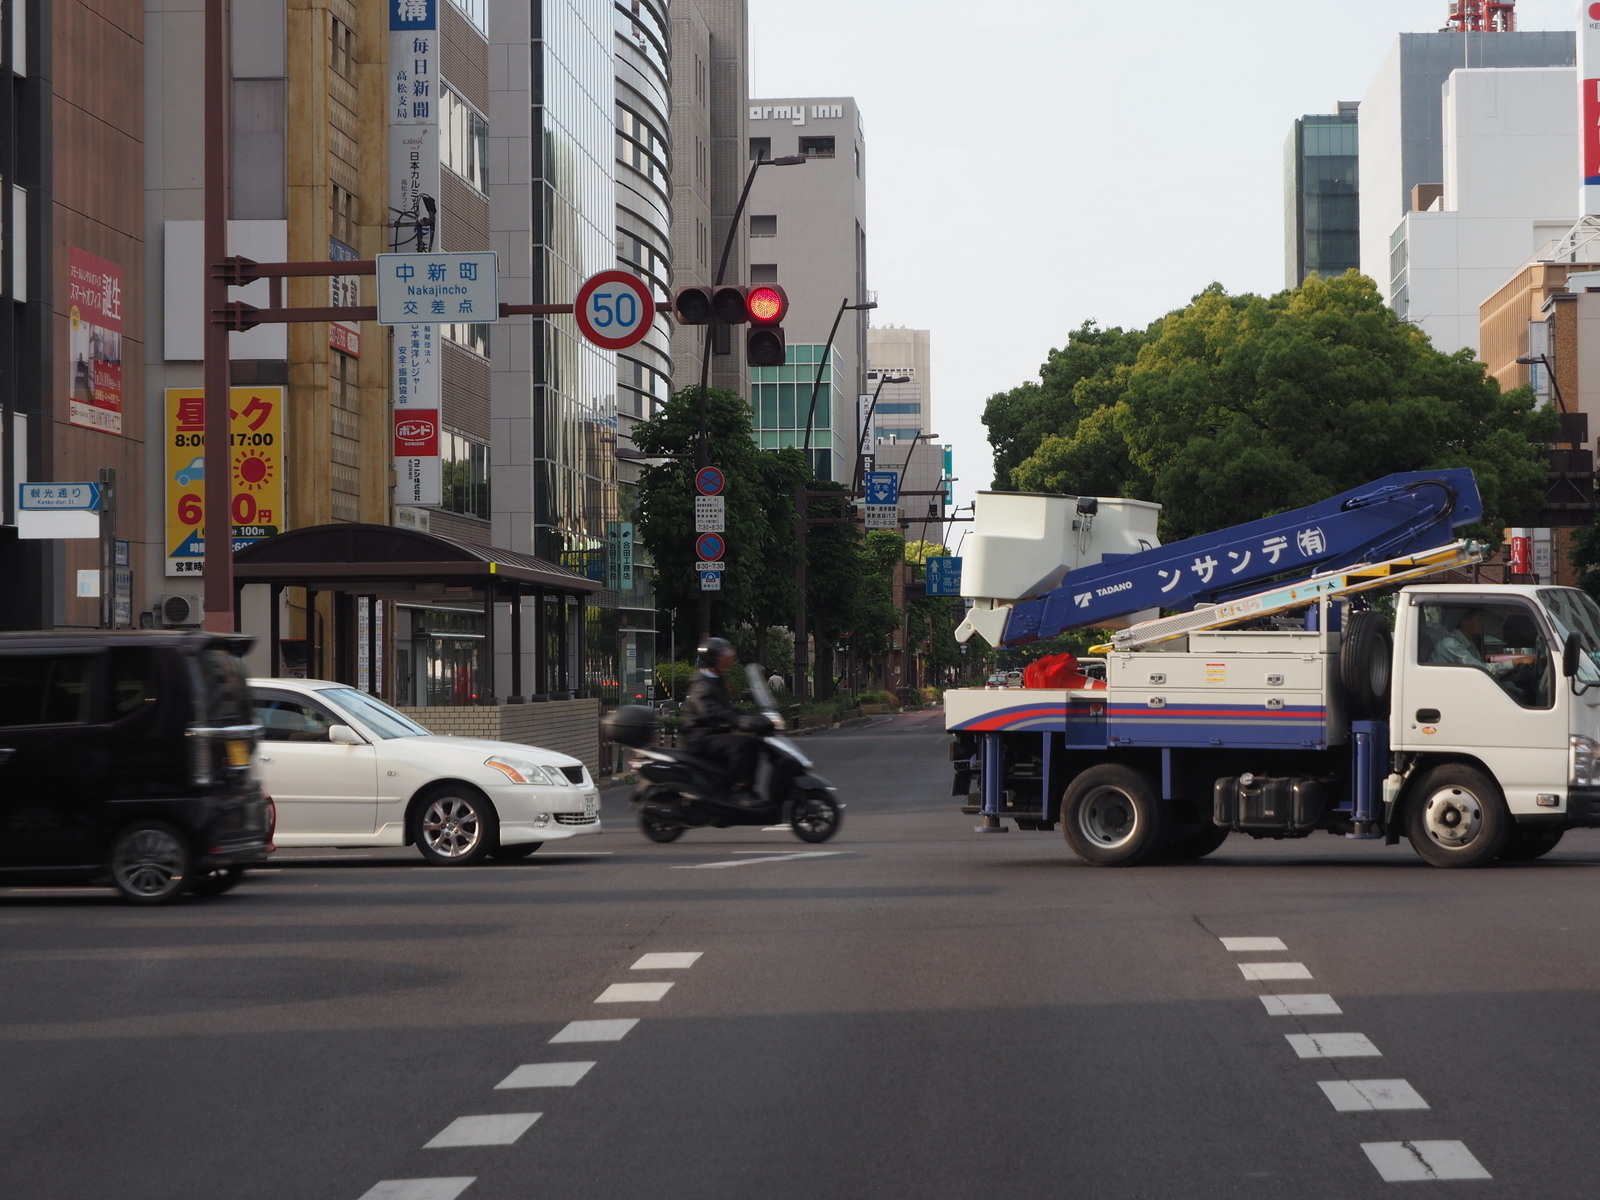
(816, 384)
(866, 422)
(1534, 360)
(702, 452)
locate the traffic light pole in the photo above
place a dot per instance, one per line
(702, 450)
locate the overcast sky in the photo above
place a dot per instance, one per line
(1033, 164)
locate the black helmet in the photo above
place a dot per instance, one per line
(709, 652)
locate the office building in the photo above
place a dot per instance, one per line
(1321, 206)
(1402, 123)
(1507, 191)
(72, 300)
(710, 90)
(808, 233)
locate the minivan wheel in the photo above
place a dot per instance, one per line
(454, 827)
(149, 863)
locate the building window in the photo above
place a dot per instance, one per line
(816, 147)
(343, 51)
(469, 337)
(763, 272)
(464, 470)
(764, 225)
(760, 149)
(344, 215)
(464, 140)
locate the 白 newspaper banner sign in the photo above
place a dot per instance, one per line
(255, 464)
(94, 341)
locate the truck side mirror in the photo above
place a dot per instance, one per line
(1570, 651)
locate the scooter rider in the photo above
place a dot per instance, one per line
(711, 724)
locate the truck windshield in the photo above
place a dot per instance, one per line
(1576, 612)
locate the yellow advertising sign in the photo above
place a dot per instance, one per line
(256, 465)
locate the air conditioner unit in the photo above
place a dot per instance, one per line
(179, 610)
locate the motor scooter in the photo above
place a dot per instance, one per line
(678, 790)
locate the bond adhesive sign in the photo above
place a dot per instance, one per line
(614, 309)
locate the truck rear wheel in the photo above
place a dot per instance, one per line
(1111, 817)
(1191, 846)
(1457, 818)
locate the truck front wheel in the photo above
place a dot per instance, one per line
(1457, 818)
(1111, 817)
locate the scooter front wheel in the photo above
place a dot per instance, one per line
(815, 815)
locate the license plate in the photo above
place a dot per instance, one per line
(591, 805)
(238, 754)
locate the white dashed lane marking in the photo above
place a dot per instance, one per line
(496, 1129)
(1333, 1045)
(1310, 1004)
(1244, 945)
(745, 862)
(595, 1031)
(633, 993)
(1404, 1162)
(542, 1075)
(419, 1189)
(667, 962)
(1371, 1095)
(1277, 970)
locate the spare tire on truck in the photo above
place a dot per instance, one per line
(1366, 658)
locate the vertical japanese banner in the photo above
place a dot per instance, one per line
(344, 291)
(255, 462)
(414, 192)
(94, 342)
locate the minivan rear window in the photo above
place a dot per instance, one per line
(45, 689)
(227, 691)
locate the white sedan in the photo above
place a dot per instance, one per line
(345, 769)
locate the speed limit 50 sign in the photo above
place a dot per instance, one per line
(614, 309)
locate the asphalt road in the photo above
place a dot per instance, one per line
(910, 1010)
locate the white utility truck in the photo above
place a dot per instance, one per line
(1276, 701)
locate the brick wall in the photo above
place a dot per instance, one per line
(566, 726)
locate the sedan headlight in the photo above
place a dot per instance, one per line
(522, 770)
(1583, 766)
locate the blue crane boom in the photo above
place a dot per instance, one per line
(1400, 514)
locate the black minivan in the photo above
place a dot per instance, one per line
(129, 758)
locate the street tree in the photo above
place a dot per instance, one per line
(1241, 406)
(665, 510)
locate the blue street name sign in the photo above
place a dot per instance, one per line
(43, 497)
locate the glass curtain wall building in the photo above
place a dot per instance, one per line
(644, 248)
(1322, 194)
(780, 399)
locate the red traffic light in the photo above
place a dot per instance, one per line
(767, 304)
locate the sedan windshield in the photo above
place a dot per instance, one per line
(377, 716)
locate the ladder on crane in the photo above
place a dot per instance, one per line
(1346, 581)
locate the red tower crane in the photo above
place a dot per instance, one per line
(1483, 16)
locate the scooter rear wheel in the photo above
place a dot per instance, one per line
(659, 829)
(815, 815)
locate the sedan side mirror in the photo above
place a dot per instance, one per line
(343, 735)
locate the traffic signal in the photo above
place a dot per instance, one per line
(764, 344)
(692, 305)
(698, 305)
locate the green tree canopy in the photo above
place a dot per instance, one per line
(1240, 406)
